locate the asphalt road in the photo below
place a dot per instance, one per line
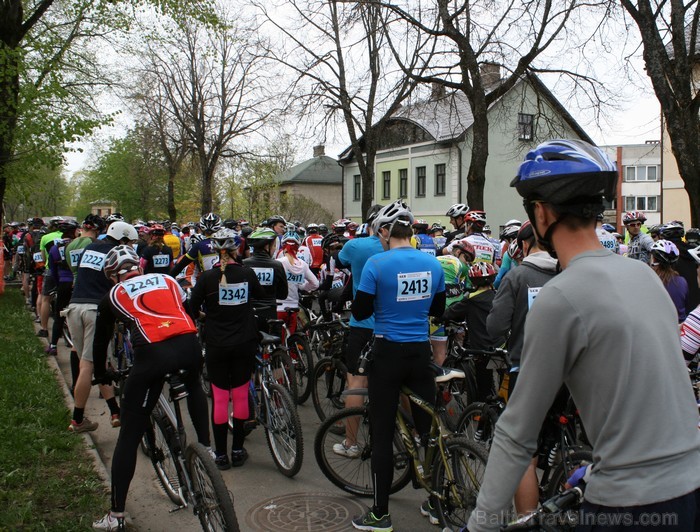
(264, 499)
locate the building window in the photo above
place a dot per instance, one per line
(386, 185)
(357, 188)
(642, 203)
(641, 173)
(403, 183)
(525, 126)
(283, 198)
(439, 179)
(420, 181)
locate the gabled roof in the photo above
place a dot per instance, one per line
(449, 117)
(321, 170)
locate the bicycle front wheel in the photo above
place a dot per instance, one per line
(164, 462)
(351, 469)
(213, 503)
(283, 371)
(283, 430)
(458, 479)
(301, 356)
(477, 423)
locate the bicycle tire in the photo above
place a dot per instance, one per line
(564, 470)
(478, 417)
(328, 385)
(213, 502)
(67, 338)
(283, 430)
(354, 475)
(467, 463)
(162, 457)
(283, 371)
(301, 356)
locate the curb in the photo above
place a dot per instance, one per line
(90, 446)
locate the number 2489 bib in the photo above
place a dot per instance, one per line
(414, 286)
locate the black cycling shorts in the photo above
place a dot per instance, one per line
(357, 340)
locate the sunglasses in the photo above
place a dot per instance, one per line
(634, 224)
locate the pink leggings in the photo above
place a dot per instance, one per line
(220, 399)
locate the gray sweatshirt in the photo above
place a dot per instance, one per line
(605, 327)
(513, 299)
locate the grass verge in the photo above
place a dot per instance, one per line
(47, 480)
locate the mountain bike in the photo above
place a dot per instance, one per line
(328, 377)
(272, 407)
(558, 513)
(447, 466)
(186, 471)
(299, 351)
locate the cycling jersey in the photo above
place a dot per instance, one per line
(607, 240)
(158, 259)
(426, 244)
(229, 305)
(484, 249)
(313, 242)
(690, 333)
(74, 251)
(174, 244)
(91, 285)
(456, 277)
(273, 280)
(58, 264)
(47, 241)
(299, 277)
(201, 252)
(152, 306)
(639, 247)
(404, 282)
(354, 255)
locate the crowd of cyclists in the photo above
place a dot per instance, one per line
(405, 278)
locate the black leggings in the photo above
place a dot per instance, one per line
(63, 294)
(141, 392)
(395, 364)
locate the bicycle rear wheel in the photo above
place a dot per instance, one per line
(564, 470)
(301, 356)
(477, 424)
(354, 473)
(328, 385)
(283, 430)
(164, 462)
(213, 503)
(458, 480)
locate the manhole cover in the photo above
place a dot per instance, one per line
(312, 512)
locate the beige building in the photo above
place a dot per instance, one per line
(103, 207)
(675, 203)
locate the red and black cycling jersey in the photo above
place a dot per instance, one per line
(151, 305)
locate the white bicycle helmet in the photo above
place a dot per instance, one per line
(225, 239)
(121, 231)
(119, 260)
(513, 222)
(458, 209)
(210, 222)
(291, 236)
(390, 214)
(665, 251)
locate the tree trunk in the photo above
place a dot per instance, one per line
(368, 182)
(172, 211)
(476, 176)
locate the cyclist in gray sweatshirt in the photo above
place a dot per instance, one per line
(628, 380)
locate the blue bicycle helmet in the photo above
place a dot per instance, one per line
(566, 172)
(609, 228)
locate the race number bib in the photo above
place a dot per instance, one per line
(75, 255)
(141, 285)
(20, 250)
(337, 283)
(264, 275)
(233, 294)
(295, 278)
(37, 257)
(93, 260)
(209, 261)
(414, 286)
(161, 261)
(430, 252)
(531, 295)
(316, 242)
(62, 252)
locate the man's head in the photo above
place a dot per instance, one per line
(420, 227)
(476, 221)
(525, 238)
(563, 182)
(121, 262)
(482, 274)
(93, 224)
(393, 221)
(312, 229)
(672, 231)
(277, 223)
(68, 228)
(436, 230)
(122, 232)
(456, 214)
(634, 220)
(464, 251)
(210, 223)
(261, 239)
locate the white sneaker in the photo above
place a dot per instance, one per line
(343, 450)
(110, 523)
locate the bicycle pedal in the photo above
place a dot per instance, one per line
(177, 508)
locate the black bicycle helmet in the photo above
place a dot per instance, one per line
(92, 221)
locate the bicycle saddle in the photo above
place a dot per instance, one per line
(446, 374)
(268, 339)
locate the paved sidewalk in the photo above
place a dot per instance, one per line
(264, 499)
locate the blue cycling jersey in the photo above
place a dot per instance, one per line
(404, 282)
(354, 255)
